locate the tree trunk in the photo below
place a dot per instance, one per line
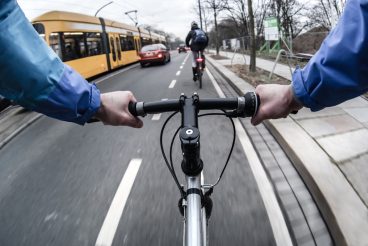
(216, 33)
(252, 65)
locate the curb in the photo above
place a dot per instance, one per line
(340, 206)
(19, 130)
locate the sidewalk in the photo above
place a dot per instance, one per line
(329, 148)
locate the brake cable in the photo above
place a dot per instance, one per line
(232, 145)
(170, 165)
(171, 149)
(182, 192)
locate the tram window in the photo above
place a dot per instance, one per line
(79, 45)
(130, 43)
(146, 41)
(75, 48)
(82, 48)
(94, 43)
(54, 41)
(123, 43)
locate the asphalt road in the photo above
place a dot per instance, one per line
(58, 180)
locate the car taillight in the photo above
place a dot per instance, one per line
(199, 60)
(159, 55)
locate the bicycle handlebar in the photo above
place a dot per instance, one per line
(244, 106)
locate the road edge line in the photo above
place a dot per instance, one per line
(267, 192)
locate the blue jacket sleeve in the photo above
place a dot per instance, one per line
(339, 70)
(33, 75)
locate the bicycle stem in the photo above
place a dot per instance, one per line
(192, 164)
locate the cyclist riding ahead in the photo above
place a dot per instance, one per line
(197, 40)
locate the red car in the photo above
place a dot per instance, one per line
(154, 53)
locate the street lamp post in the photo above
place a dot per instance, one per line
(103, 7)
(200, 12)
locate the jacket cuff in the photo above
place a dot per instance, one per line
(301, 93)
(95, 102)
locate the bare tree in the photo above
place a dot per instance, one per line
(260, 13)
(326, 13)
(216, 6)
(289, 15)
(252, 65)
(237, 11)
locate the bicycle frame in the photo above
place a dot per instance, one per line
(195, 203)
(195, 221)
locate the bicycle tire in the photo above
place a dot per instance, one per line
(200, 74)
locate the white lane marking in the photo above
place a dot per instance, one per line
(177, 73)
(172, 84)
(277, 220)
(164, 99)
(214, 83)
(181, 67)
(111, 222)
(156, 116)
(115, 73)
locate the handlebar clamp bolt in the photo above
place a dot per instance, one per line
(189, 132)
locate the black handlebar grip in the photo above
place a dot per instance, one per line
(132, 108)
(252, 103)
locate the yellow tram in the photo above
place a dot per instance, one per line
(92, 45)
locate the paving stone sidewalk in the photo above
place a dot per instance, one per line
(329, 149)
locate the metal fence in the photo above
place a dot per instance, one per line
(262, 45)
(307, 43)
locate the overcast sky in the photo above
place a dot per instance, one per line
(172, 16)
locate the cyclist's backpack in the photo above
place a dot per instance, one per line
(199, 38)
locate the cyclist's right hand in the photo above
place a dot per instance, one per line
(114, 109)
(277, 101)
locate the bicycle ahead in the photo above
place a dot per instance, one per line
(195, 202)
(199, 67)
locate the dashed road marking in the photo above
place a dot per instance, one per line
(177, 73)
(172, 84)
(181, 67)
(156, 116)
(111, 222)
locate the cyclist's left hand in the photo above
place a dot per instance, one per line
(114, 109)
(277, 101)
